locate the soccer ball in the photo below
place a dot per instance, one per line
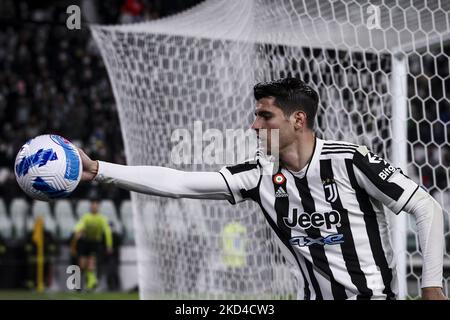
(48, 167)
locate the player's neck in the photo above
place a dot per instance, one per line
(297, 155)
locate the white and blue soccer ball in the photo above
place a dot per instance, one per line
(48, 167)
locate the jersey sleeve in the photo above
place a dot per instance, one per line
(164, 182)
(241, 180)
(383, 181)
(80, 224)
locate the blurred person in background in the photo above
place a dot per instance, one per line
(90, 232)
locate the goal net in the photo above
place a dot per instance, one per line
(382, 72)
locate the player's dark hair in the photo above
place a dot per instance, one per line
(291, 94)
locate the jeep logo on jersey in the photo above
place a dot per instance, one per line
(315, 220)
(330, 188)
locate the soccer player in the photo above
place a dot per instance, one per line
(90, 231)
(324, 201)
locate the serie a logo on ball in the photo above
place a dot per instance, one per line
(48, 167)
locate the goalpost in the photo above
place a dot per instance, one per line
(381, 69)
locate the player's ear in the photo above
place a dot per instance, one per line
(299, 120)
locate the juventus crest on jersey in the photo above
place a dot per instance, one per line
(329, 217)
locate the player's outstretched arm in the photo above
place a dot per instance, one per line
(158, 181)
(430, 226)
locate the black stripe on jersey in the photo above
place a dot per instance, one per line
(348, 246)
(334, 144)
(338, 151)
(248, 194)
(246, 166)
(325, 147)
(282, 209)
(407, 201)
(371, 171)
(254, 194)
(314, 282)
(373, 231)
(317, 251)
(282, 237)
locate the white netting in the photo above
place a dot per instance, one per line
(382, 87)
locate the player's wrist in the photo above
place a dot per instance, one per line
(94, 168)
(433, 293)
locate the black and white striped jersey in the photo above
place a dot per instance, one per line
(329, 217)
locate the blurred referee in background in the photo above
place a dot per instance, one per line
(87, 243)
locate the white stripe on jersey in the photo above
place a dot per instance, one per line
(357, 226)
(267, 204)
(332, 252)
(340, 227)
(312, 274)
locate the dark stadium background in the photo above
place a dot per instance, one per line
(52, 80)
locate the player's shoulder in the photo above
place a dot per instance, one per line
(256, 163)
(340, 149)
(339, 143)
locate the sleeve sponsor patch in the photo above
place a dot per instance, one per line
(372, 165)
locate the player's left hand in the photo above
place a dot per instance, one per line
(433, 293)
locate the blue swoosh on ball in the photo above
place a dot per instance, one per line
(72, 159)
(41, 185)
(40, 158)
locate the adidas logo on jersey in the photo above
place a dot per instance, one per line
(280, 193)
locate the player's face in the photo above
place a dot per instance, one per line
(94, 207)
(268, 118)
